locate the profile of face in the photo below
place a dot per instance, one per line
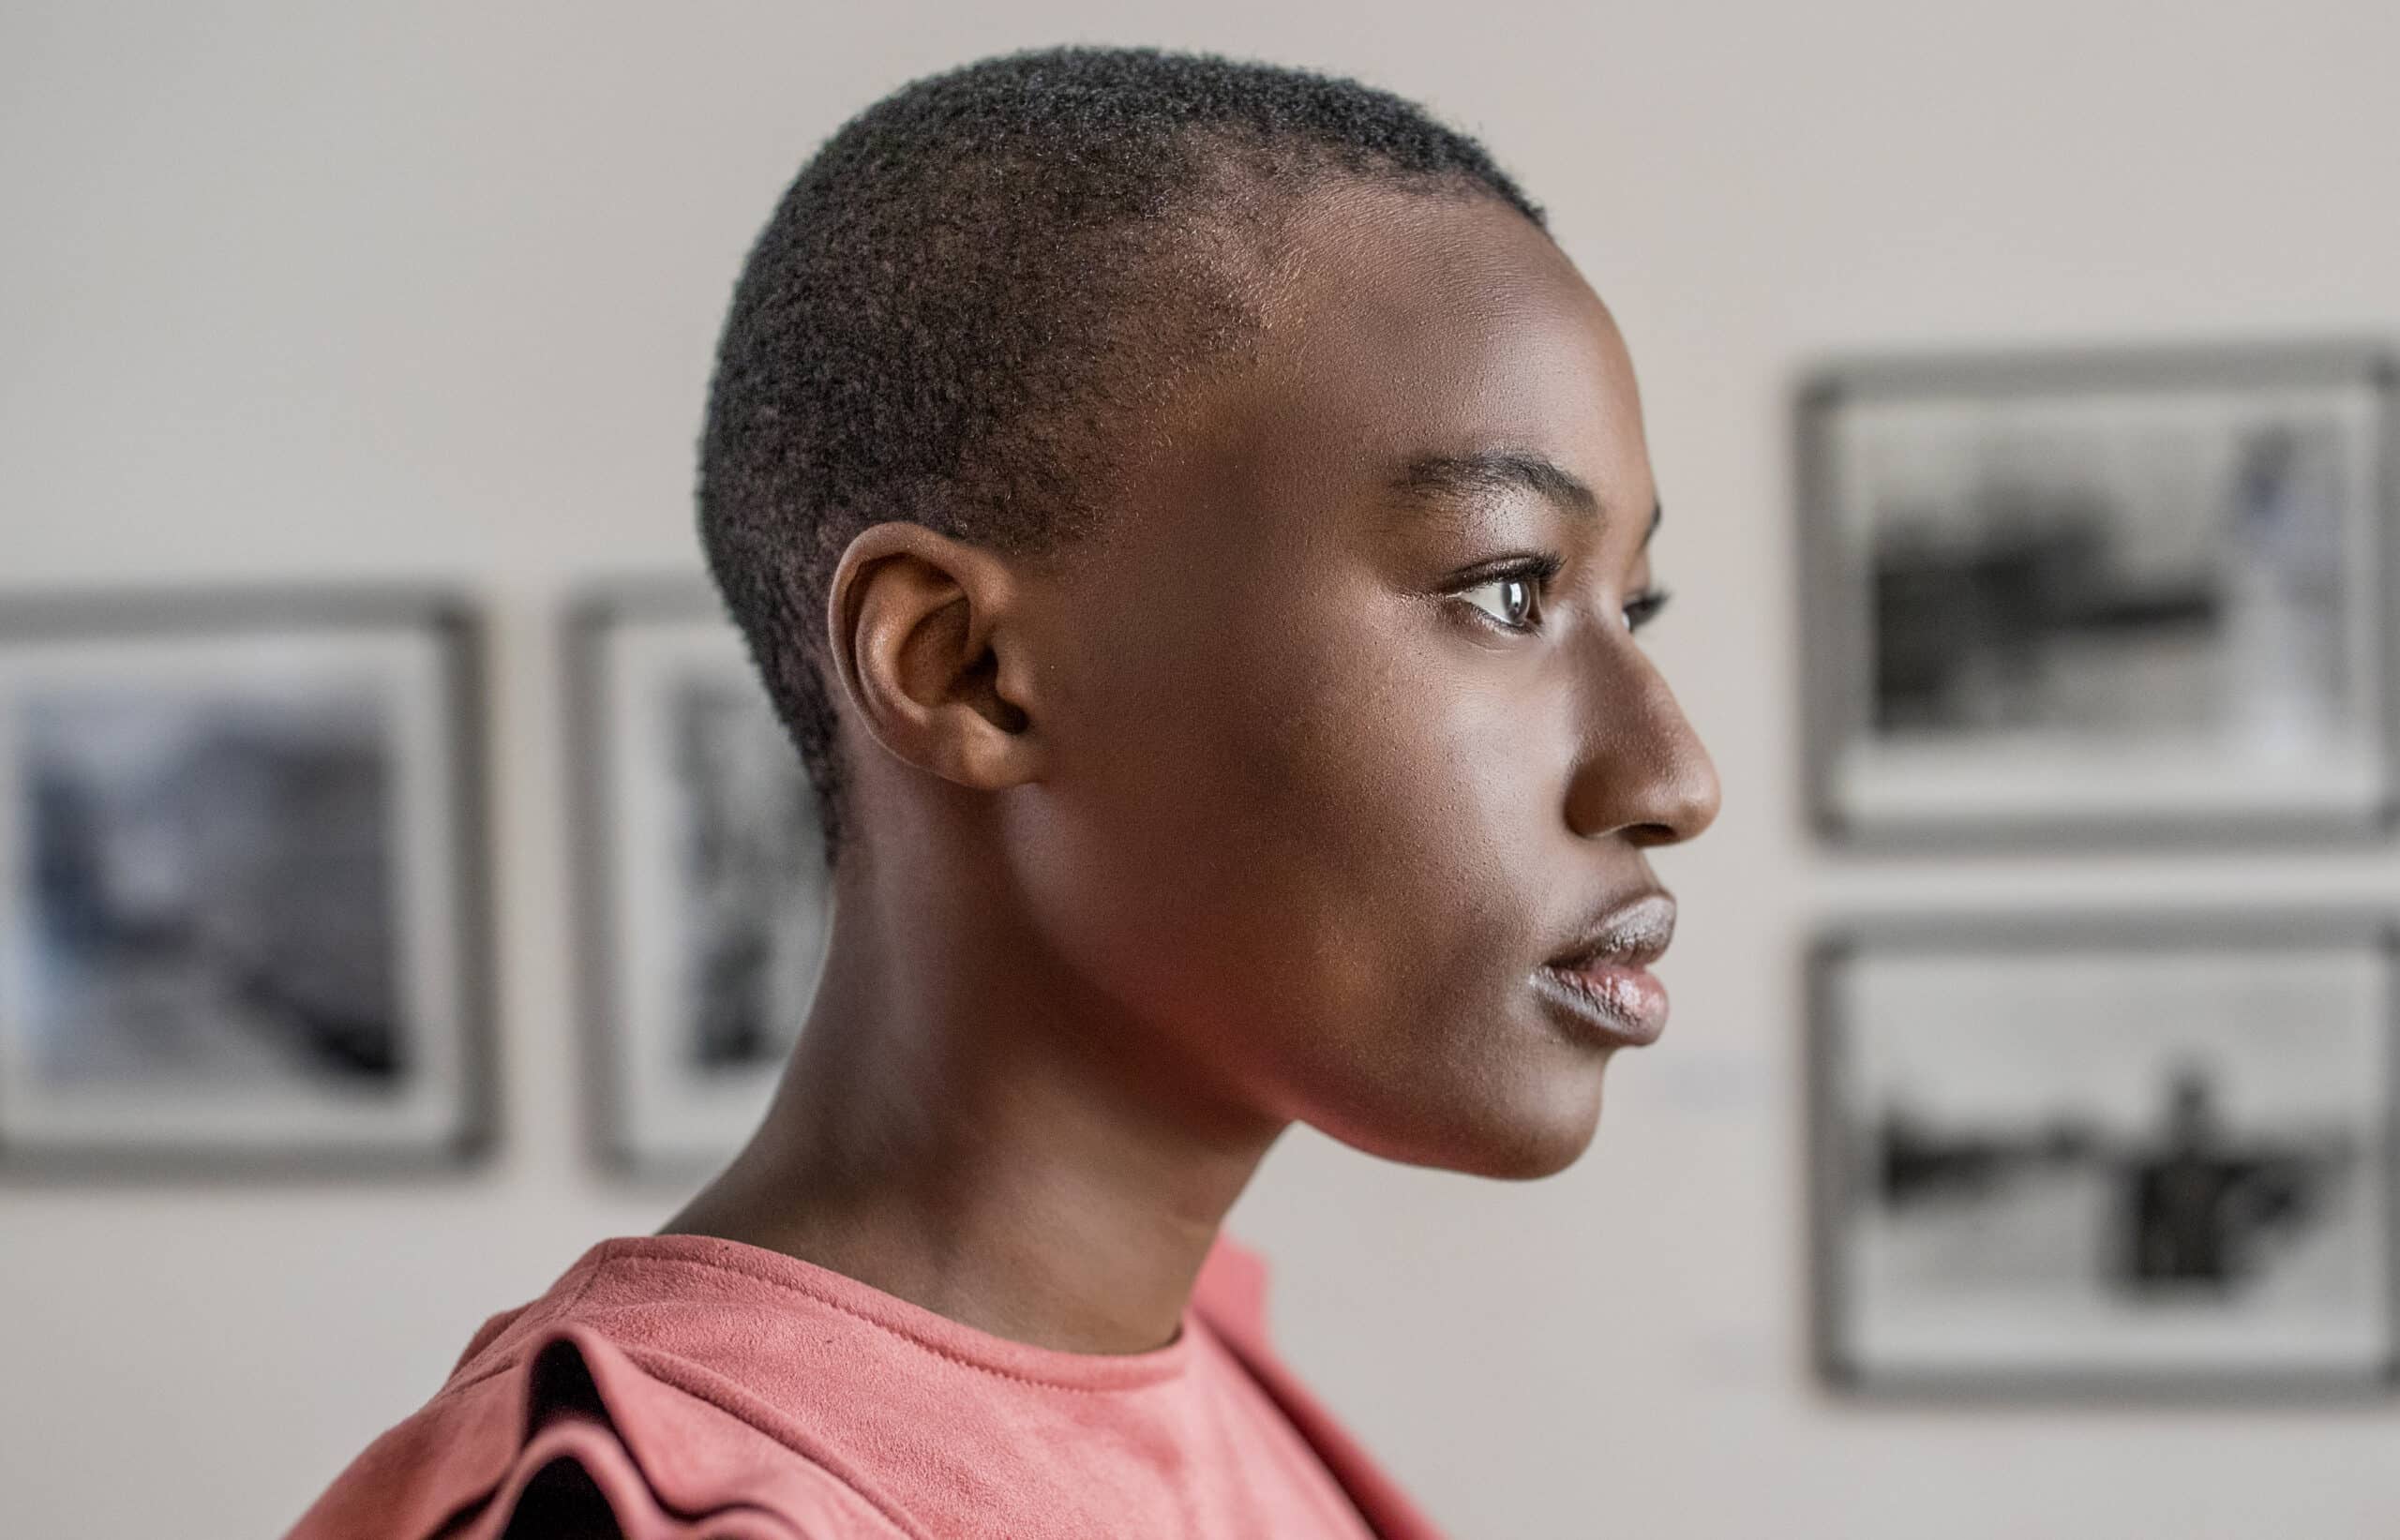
(1342, 733)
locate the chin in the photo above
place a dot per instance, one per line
(1533, 1154)
(1519, 1139)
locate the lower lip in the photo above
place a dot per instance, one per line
(1627, 1006)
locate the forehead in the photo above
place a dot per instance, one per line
(1402, 325)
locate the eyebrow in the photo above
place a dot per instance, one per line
(1432, 478)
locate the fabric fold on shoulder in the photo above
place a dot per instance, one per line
(571, 1430)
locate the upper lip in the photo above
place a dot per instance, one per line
(1632, 934)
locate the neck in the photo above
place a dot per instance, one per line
(965, 1126)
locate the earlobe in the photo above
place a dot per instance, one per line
(918, 624)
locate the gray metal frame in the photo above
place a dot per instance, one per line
(2046, 934)
(595, 607)
(1832, 618)
(449, 615)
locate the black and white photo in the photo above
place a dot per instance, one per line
(2106, 1156)
(238, 882)
(703, 875)
(2115, 595)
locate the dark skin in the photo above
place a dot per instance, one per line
(1263, 807)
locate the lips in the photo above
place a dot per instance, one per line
(1604, 980)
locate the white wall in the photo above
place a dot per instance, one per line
(429, 290)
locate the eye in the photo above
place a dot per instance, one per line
(1644, 607)
(1514, 601)
(1509, 592)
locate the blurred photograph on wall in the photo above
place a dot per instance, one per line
(237, 883)
(2113, 596)
(2116, 1156)
(706, 896)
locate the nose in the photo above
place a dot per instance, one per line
(1643, 773)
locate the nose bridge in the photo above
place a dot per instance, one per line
(1641, 769)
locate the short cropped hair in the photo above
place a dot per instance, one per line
(981, 292)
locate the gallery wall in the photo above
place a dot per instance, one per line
(304, 294)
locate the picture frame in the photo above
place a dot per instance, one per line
(244, 905)
(2124, 596)
(2105, 1157)
(703, 897)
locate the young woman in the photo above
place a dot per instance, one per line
(1194, 523)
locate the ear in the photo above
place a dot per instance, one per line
(922, 636)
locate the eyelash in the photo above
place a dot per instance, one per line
(1639, 610)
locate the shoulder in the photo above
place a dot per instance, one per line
(548, 1425)
(681, 1387)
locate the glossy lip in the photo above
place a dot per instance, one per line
(1632, 934)
(1604, 979)
(1626, 1007)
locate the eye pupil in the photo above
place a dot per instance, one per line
(1516, 597)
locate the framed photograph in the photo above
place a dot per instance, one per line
(2117, 596)
(701, 866)
(242, 903)
(2105, 1157)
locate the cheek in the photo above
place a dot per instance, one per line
(1324, 852)
(1392, 827)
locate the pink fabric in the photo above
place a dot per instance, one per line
(691, 1388)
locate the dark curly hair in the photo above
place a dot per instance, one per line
(982, 289)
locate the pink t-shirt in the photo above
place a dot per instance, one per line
(684, 1387)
